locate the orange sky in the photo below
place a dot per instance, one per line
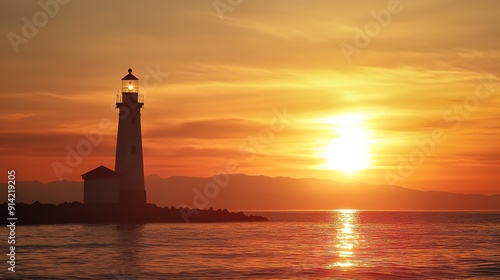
(214, 80)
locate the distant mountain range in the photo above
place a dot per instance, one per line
(243, 192)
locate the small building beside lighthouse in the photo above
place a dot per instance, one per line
(125, 184)
(101, 186)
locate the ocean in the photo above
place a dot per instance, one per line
(341, 244)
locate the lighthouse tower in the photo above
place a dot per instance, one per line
(128, 161)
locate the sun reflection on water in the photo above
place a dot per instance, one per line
(346, 238)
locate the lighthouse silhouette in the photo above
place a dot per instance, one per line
(125, 185)
(128, 161)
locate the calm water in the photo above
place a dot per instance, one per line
(295, 245)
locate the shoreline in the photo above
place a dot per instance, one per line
(78, 213)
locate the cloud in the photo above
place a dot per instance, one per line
(206, 129)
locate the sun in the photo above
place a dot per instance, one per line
(349, 151)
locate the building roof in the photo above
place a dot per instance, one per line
(130, 76)
(100, 172)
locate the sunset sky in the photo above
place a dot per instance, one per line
(215, 76)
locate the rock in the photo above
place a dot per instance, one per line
(76, 212)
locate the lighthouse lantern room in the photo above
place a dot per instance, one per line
(130, 83)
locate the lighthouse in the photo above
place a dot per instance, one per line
(124, 185)
(128, 161)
